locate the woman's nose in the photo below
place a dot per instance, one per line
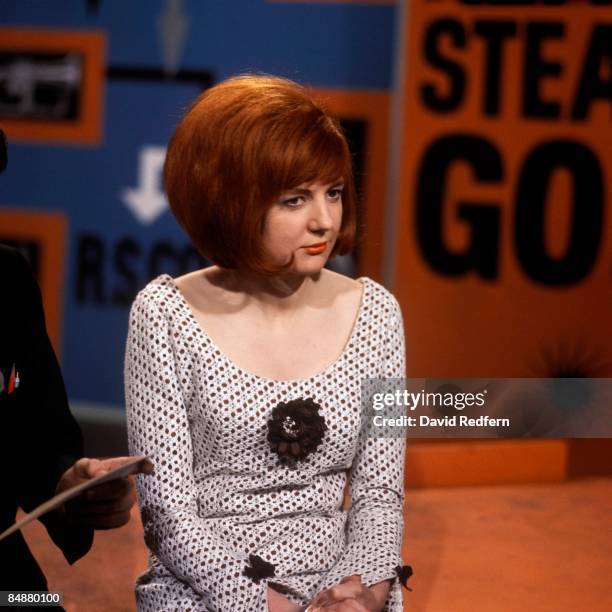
(321, 215)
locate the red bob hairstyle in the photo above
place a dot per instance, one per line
(239, 147)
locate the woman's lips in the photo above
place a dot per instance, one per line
(316, 249)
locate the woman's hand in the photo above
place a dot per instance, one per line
(278, 603)
(350, 595)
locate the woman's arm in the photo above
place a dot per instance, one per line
(376, 486)
(158, 427)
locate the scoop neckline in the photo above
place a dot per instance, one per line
(200, 330)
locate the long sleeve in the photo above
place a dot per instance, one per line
(158, 427)
(376, 486)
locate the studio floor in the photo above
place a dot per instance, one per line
(494, 549)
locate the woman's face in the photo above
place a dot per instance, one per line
(309, 214)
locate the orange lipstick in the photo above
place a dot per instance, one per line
(316, 249)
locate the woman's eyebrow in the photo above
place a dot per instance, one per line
(299, 191)
(307, 192)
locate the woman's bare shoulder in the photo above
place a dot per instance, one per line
(340, 284)
(198, 287)
(341, 291)
(187, 282)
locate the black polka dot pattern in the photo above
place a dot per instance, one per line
(219, 497)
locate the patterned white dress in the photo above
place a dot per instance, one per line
(220, 494)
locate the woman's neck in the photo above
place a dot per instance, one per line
(269, 297)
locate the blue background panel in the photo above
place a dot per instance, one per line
(340, 46)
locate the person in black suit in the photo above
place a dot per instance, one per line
(41, 445)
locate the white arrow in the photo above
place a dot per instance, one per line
(147, 202)
(172, 26)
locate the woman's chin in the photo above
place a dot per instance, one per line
(314, 266)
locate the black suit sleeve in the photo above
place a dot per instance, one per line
(53, 441)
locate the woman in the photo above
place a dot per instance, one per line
(243, 379)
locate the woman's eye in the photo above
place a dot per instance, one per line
(293, 202)
(334, 194)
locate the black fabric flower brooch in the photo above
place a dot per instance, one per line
(259, 569)
(296, 429)
(403, 573)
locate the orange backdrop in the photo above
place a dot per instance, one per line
(504, 246)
